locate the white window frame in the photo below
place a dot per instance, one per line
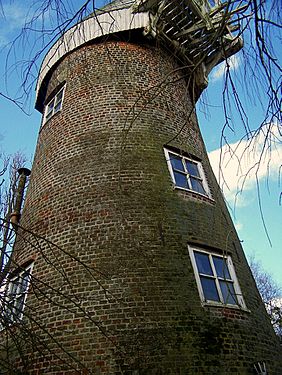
(202, 177)
(233, 278)
(12, 311)
(50, 108)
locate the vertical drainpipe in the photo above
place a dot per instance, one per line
(16, 214)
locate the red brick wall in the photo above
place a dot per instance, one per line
(115, 292)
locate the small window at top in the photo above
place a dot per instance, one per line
(54, 105)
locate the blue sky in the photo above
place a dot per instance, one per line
(18, 131)
(256, 211)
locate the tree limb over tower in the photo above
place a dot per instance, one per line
(136, 267)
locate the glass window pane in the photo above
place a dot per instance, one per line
(181, 180)
(176, 162)
(59, 95)
(7, 312)
(192, 168)
(14, 287)
(197, 185)
(228, 292)
(221, 267)
(58, 107)
(209, 289)
(203, 263)
(50, 106)
(19, 305)
(25, 281)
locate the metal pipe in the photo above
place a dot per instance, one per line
(16, 214)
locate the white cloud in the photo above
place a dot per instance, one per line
(233, 62)
(239, 166)
(13, 17)
(14, 14)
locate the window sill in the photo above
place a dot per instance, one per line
(195, 194)
(227, 306)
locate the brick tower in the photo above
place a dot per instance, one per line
(127, 259)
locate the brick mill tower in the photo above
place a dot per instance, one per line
(126, 259)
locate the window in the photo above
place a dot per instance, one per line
(216, 279)
(16, 295)
(186, 173)
(54, 105)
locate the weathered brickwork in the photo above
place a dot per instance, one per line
(115, 291)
